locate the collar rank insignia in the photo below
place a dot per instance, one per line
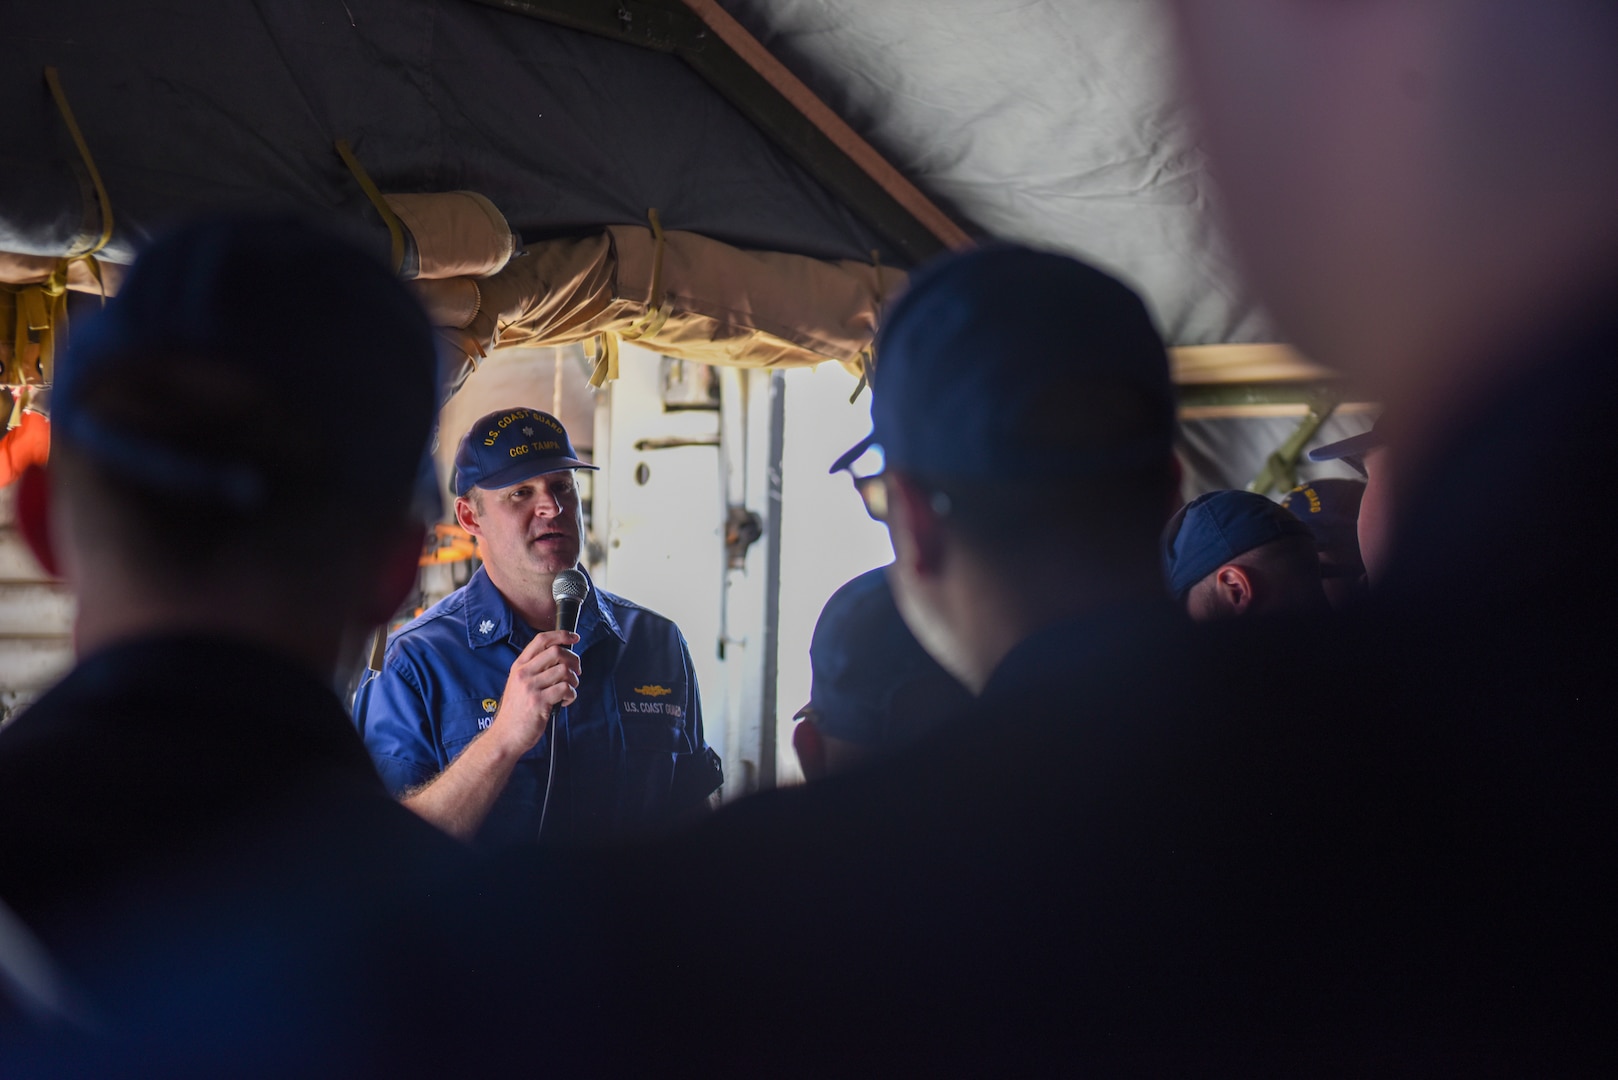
(485, 626)
(653, 690)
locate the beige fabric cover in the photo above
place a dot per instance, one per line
(457, 233)
(723, 305)
(720, 304)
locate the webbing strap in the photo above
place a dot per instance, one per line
(38, 312)
(657, 311)
(868, 355)
(54, 81)
(859, 387)
(606, 363)
(389, 218)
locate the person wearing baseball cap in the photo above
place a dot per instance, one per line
(1234, 553)
(1022, 461)
(1023, 415)
(1330, 509)
(459, 719)
(873, 689)
(232, 537)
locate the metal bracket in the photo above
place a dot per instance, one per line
(675, 443)
(743, 529)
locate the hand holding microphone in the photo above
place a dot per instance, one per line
(568, 589)
(545, 675)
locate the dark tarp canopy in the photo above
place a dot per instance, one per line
(188, 107)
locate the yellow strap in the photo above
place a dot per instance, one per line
(13, 373)
(868, 355)
(55, 83)
(38, 312)
(657, 256)
(33, 313)
(606, 364)
(35, 310)
(95, 271)
(657, 312)
(389, 218)
(859, 387)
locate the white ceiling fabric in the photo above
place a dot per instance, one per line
(1052, 122)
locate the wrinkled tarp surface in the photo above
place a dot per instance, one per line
(194, 105)
(1054, 122)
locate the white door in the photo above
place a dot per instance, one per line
(658, 513)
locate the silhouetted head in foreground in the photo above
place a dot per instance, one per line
(1023, 411)
(240, 443)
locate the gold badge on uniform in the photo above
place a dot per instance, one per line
(650, 690)
(490, 704)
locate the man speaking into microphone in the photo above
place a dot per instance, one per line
(488, 718)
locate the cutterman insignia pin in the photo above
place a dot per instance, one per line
(651, 690)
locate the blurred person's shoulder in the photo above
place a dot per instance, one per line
(152, 747)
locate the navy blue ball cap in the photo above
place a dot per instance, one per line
(1004, 360)
(1330, 509)
(871, 682)
(1212, 529)
(327, 364)
(510, 446)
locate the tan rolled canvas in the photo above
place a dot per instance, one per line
(718, 304)
(456, 233)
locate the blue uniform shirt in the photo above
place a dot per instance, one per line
(630, 750)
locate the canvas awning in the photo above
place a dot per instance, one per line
(1053, 124)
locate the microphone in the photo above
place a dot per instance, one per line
(569, 589)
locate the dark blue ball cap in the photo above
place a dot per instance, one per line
(871, 682)
(510, 446)
(1330, 509)
(1004, 360)
(310, 326)
(1212, 529)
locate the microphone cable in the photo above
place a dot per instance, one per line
(569, 589)
(550, 769)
